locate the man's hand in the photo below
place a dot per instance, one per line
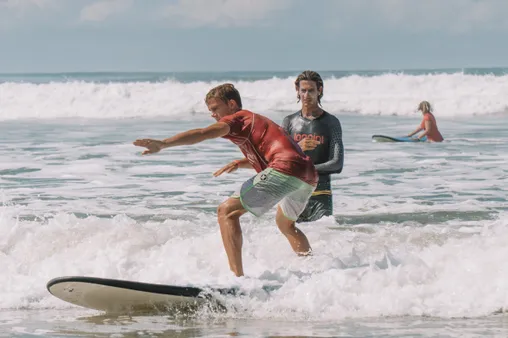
(308, 144)
(228, 168)
(153, 146)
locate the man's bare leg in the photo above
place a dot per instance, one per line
(228, 215)
(295, 236)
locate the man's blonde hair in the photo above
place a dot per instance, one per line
(225, 92)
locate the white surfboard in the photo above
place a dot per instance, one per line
(120, 296)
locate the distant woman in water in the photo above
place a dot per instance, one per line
(428, 124)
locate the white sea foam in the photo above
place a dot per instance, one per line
(453, 95)
(418, 229)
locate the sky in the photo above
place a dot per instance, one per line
(250, 35)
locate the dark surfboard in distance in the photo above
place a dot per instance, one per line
(384, 138)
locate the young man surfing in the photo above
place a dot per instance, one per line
(286, 176)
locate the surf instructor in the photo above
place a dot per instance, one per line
(286, 177)
(319, 134)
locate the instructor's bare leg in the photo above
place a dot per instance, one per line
(228, 215)
(295, 236)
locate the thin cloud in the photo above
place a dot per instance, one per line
(451, 16)
(102, 10)
(23, 5)
(222, 13)
(22, 12)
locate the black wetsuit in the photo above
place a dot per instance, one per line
(328, 157)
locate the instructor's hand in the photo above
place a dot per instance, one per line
(228, 168)
(308, 144)
(153, 146)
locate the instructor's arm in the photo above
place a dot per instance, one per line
(189, 137)
(336, 152)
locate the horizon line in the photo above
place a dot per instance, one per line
(246, 71)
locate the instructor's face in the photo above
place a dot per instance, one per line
(308, 92)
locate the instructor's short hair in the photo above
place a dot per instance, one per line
(225, 92)
(310, 75)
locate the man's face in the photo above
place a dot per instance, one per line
(219, 108)
(309, 93)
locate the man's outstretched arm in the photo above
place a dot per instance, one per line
(194, 136)
(189, 137)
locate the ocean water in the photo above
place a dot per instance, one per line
(417, 244)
